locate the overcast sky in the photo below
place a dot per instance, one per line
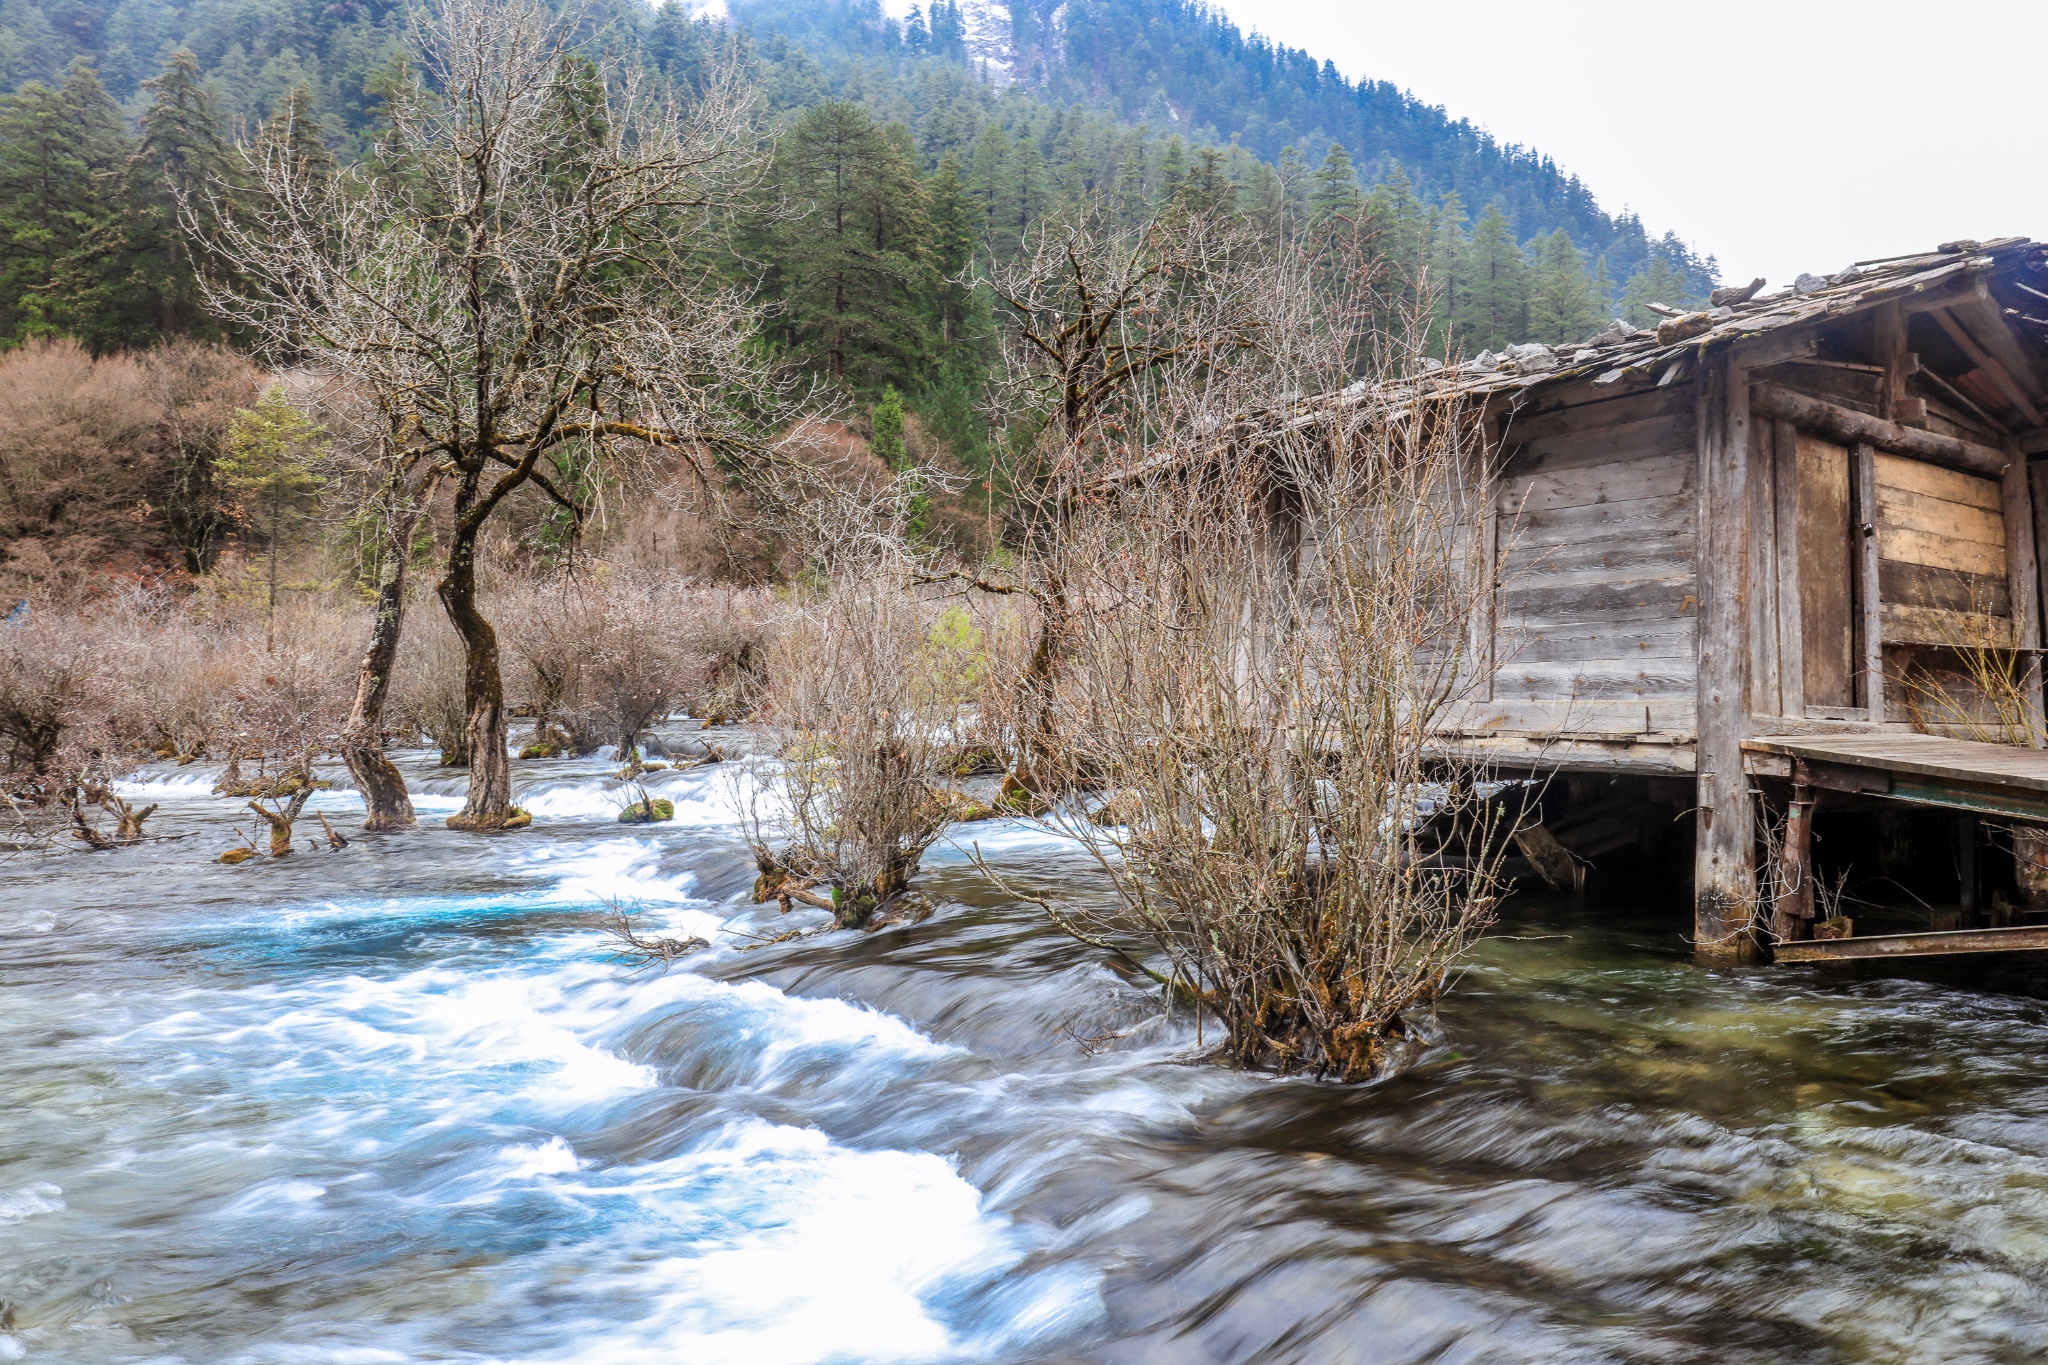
(1778, 135)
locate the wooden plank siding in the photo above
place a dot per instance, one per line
(1942, 555)
(1597, 602)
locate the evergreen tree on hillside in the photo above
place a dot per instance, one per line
(294, 129)
(1493, 308)
(1334, 192)
(950, 212)
(1657, 282)
(1024, 193)
(852, 272)
(1444, 261)
(1562, 306)
(1206, 190)
(182, 159)
(1173, 167)
(63, 244)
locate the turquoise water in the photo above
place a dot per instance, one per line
(402, 1102)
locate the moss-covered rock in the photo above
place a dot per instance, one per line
(236, 855)
(652, 811)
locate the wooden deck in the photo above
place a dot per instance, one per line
(1990, 779)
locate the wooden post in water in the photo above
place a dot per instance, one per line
(1724, 865)
(1792, 916)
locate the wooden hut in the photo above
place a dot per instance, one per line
(1730, 549)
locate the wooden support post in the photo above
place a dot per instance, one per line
(1791, 616)
(1966, 865)
(1791, 917)
(1890, 349)
(2024, 582)
(1869, 606)
(1724, 871)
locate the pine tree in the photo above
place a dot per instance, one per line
(1659, 281)
(182, 159)
(951, 214)
(985, 175)
(852, 272)
(1173, 168)
(1494, 308)
(1206, 191)
(65, 263)
(1445, 264)
(1026, 191)
(678, 46)
(271, 452)
(1561, 307)
(1290, 209)
(294, 129)
(885, 427)
(1334, 193)
(1129, 201)
(949, 31)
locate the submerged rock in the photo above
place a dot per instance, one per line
(652, 811)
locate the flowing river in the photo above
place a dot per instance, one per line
(403, 1102)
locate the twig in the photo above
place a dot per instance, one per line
(1072, 931)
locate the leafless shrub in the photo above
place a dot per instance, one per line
(1974, 685)
(429, 687)
(860, 706)
(608, 651)
(731, 631)
(1263, 735)
(109, 459)
(861, 713)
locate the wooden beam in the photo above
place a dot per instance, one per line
(1984, 319)
(1724, 873)
(1838, 423)
(1954, 942)
(1791, 615)
(1992, 370)
(1868, 598)
(2034, 442)
(1890, 353)
(1522, 754)
(1775, 347)
(2024, 584)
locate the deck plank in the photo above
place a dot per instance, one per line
(1931, 756)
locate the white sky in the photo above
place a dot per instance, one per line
(1778, 135)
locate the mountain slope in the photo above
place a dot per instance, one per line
(1179, 66)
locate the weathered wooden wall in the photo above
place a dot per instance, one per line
(1594, 536)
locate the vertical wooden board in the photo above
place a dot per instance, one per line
(2026, 608)
(1785, 573)
(1869, 609)
(1766, 695)
(1826, 575)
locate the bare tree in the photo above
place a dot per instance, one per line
(520, 278)
(1098, 313)
(387, 479)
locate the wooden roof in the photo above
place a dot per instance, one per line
(1616, 355)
